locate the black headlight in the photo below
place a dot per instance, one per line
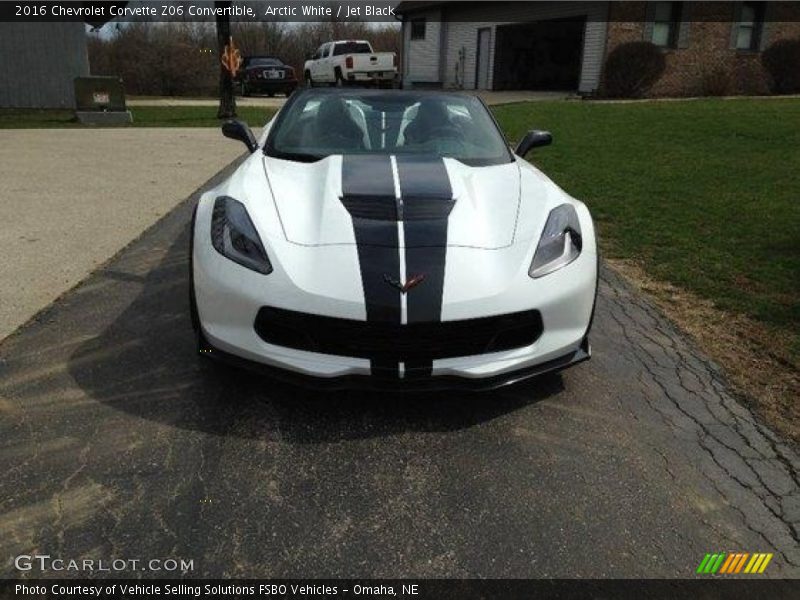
(234, 236)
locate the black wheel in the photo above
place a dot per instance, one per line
(309, 81)
(245, 91)
(271, 94)
(339, 79)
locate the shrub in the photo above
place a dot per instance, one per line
(631, 69)
(715, 81)
(782, 62)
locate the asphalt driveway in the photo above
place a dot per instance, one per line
(116, 441)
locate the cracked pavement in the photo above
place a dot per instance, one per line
(116, 441)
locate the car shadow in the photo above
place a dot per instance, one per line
(144, 363)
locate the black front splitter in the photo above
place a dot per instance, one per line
(427, 384)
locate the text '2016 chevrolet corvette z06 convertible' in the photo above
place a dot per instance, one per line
(391, 239)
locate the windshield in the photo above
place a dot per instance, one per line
(317, 123)
(264, 62)
(351, 48)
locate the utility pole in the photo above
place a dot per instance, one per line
(229, 63)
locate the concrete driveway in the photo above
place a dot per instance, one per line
(117, 441)
(73, 198)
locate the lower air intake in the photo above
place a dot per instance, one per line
(395, 342)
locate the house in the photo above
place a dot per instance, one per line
(39, 63)
(507, 45)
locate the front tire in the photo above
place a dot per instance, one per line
(309, 81)
(245, 91)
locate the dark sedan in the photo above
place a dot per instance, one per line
(266, 75)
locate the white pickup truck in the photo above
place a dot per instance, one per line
(350, 62)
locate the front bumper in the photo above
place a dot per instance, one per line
(374, 76)
(374, 383)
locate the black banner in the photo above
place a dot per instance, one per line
(99, 12)
(419, 589)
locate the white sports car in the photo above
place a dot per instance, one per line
(391, 239)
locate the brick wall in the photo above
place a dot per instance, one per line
(708, 64)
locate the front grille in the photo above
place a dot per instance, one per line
(393, 342)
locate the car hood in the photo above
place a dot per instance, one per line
(320, 203)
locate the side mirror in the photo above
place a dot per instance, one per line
(533, 139)
(236, 130)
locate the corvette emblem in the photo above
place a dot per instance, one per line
(404, 287)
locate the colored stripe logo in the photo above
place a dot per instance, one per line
(735, 562)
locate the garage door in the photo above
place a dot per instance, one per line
(545, 55)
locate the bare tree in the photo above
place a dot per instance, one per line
(181, 59)
(227, 99)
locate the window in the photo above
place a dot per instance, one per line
(748, 34)
(264, 61)
(666, 19)
(418, 29)
(351, 48)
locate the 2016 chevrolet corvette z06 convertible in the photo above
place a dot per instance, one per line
(391, 239)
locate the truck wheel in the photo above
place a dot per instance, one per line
(309, 81)
(339, 82)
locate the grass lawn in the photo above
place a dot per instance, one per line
(705, 193)
(143, 116)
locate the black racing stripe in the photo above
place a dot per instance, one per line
(377, 208)
(368, 188)
(368, 178)
(427, 199)
(425, 188)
